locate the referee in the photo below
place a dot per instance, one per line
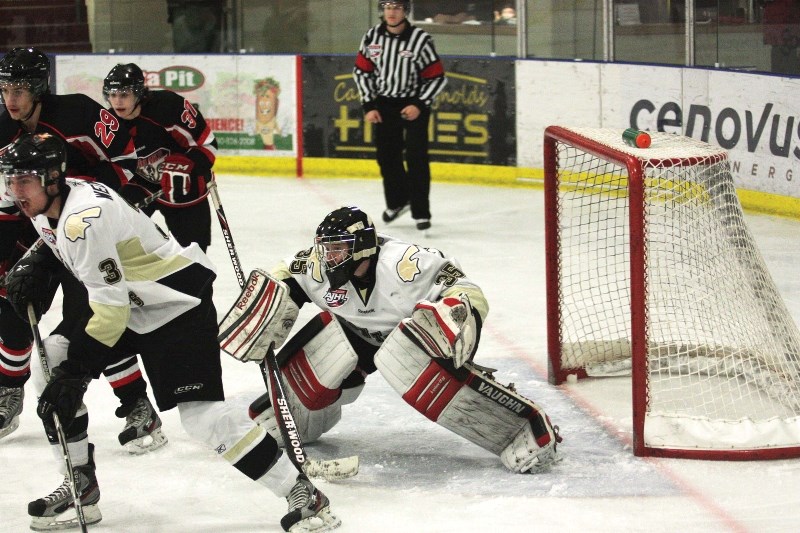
(399, 74)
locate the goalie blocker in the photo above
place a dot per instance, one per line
(261, 317)
(468, 403)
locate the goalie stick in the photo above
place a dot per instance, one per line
(327, 469)
(62, 438)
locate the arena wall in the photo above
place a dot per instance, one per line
(300, 115)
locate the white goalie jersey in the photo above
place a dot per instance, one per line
(404, 275)
(136, 275)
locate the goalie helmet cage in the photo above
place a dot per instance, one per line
(653, 273)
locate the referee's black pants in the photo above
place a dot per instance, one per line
(406, 182)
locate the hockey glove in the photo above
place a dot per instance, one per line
(30, 282)
(181, 185)
(63, 394)
(446, 328)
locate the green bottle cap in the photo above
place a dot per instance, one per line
(636, 138)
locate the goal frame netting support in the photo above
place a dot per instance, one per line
(635, 163)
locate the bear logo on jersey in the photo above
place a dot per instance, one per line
(408, 266)
(76, 224)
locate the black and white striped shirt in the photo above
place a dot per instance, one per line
(398, 66)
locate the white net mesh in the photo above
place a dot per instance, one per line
(722, 348)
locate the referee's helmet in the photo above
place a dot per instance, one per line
(406, 4)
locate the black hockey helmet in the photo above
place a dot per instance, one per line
(125, 76)
(349, 231)
(405, 3)
(26, 66)
(35, 153)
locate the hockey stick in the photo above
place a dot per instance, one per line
(226, 232)
(328, 469)
(62, 438)
(147, 200)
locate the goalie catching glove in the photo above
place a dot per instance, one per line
(179, 181)
(261, 317)
(447, 328)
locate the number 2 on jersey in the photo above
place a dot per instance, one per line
(105, 127)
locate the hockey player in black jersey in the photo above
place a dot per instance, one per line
(100, 149)
(148, 295)
(175, 149)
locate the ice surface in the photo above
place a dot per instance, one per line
(416, 476)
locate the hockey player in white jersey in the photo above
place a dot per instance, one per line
(407, 311)
(148, 295)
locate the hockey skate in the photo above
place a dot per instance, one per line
(142, 432)
(57, 510)
(423, 224)
(10, 409)
(309, 509)
(390, 215)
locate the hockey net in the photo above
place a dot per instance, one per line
(652, 272)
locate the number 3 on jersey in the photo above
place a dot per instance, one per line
(111, 273)
(105, 127)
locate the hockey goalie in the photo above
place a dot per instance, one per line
(406, 311)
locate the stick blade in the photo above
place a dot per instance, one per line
(332, 469)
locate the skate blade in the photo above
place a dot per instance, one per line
(10, 428)
(66, 520)
(147, 444)
(324, 520)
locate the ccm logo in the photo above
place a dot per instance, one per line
(187, 388)
(175, 166)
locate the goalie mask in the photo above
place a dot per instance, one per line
(39, 157)
(28, 68)
(345, 238)
(125, 78)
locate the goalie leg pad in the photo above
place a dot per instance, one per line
(314, 364)
(463, 400)
(316, 361)
(529, 453)
(311, 425)
(261, 317)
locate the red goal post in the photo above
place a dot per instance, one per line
(652, 273)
